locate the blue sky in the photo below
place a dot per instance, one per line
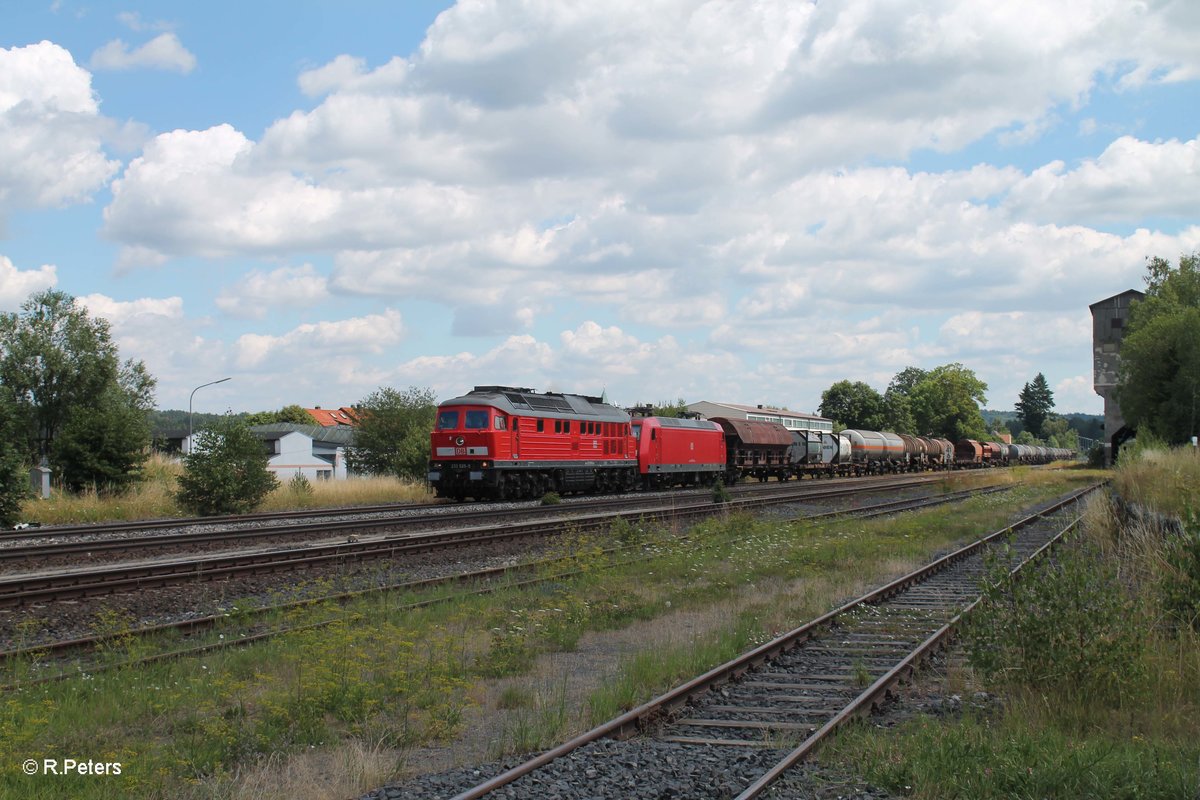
(713, 201)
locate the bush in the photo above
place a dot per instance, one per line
(299, 485)
(1181, 579)
(226, 472)
(13, 484)
(1064, 625)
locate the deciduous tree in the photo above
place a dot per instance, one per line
(63, 370)
(12, 480)
(947, 401)
(853, 405)
(1159, 382)
(226, 471)
(392, 434)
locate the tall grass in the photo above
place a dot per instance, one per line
(1162, 479)
(153, 497)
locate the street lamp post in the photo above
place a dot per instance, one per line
(193, 394)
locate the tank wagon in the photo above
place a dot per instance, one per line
(500, 442)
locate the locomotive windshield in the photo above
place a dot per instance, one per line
(477, 420)
(447, 420)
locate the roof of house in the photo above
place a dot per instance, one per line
(341, 435)
(330, 417)
(766, 410)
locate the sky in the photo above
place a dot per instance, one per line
(726, 201)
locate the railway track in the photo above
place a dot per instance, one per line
(495, 527)
(485, 580)
(749, 721)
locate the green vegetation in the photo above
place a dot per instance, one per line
(12, 481)
(1159, 384)
(1034, 404)
(943, 401)
(1095, 658)
(226, 472)
(384, 676)
(392, 436)
(75, 402)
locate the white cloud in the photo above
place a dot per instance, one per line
(699, 168)
(1130, 180)
(50, 130)
(134, 21)
(164, 51)
(336, 74)
(311, 343)
(286, 287)
(16, 285)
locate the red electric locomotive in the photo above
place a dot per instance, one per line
(499, 442)
(679, 452)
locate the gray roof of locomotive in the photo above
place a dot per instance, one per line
(528, 403)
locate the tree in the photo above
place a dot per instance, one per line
(226, 472)
(897, 400)
(853, 405)
(293, 413)
(392, 434)
(1034, 404)
(59, 363)
(1058, 433)
(1159, 382)
(12, 481)
(668, 409)
(102, 447)
(946, 403)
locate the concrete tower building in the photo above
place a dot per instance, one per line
(1108, 329)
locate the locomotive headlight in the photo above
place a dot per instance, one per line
(459, 441)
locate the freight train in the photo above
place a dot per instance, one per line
(500, 442)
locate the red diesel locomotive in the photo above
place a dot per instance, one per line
(507, 443)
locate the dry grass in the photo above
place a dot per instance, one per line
(153, 498)
(350, 492)
(1160, 479)
(338, 771)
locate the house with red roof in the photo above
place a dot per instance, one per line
(334, 417)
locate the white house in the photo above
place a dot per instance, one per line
(316, 452)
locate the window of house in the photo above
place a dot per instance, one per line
(324, 474)
(447, 420)
(476, 420)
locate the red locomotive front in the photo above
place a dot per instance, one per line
(501, 442)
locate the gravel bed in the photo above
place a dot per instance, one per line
(69, 619)
(640, 768)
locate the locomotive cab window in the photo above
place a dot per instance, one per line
(501, 423)
(447, 421)
(476, 420)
